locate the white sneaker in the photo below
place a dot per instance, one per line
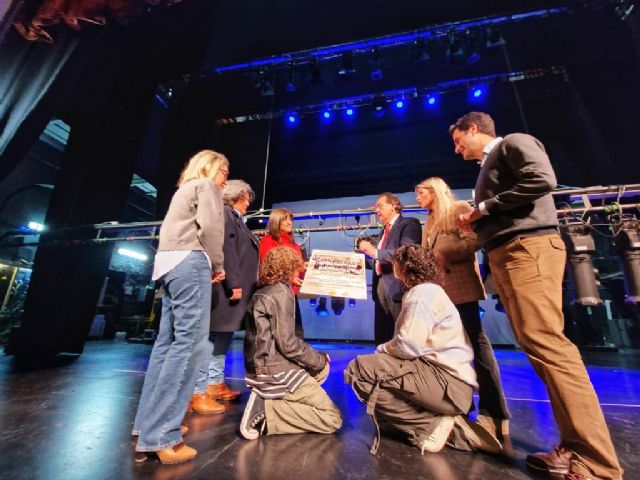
(434, 442)
(253, 420)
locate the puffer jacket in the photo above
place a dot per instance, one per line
(270, 343)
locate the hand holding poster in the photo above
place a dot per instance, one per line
(336, 274)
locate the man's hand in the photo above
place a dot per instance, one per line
(236, 294)
(466, 219)
(297, 281)
(365, 246)
(217, 277)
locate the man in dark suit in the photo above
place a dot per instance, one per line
(516, 223)
(387, 290)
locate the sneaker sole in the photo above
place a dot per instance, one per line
(249, 434)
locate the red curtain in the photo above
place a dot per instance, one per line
(74, 12)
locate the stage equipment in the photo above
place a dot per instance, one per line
(627, 244)
(321, 307)
(580, 247)
(337, 305)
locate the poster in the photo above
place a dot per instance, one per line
(335, 274)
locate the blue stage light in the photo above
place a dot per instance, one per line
(477, 92)
(399, 104)
(326, 115)
(349, 111)
(292, 118)
(432, 100)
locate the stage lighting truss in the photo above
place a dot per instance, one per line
(378, 100)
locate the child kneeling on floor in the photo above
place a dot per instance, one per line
(284, 372)
(421, 381)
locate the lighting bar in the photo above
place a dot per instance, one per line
(434, 31)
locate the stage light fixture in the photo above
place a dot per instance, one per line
(580, 248)
(376, 62)
(400, 104)
(349, 111)
(419, 52)
(471, 47)
(494, 37)
(263, 85)
(326, 114)
(379, 107)
(38, 227)
(337, 305)
(321, 307)
(292, 79)
(477, 92)
(132, 254)
(627, 244)
(315, 76)
(347, 67)
(292, 118)
(431, 100)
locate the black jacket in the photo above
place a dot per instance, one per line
(270, 343)
(515, 184)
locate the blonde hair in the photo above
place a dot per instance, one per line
(275, 220)
(441, 212)
(280, 265)
(204, 164)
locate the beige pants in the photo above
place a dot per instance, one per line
(528, 274)
(308, 409)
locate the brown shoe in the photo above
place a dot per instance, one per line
(221, 391)
(478, 437)
(555, 462)
(203, 404)
(498, 427)
(177, 454)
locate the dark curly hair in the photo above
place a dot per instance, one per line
(280, 265)
(417, 264)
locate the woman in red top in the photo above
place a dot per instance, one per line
(280, 234)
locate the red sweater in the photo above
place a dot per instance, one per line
(268, 242)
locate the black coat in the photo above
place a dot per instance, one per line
(406, 230)
(241, 269)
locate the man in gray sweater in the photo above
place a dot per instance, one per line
(516, 222)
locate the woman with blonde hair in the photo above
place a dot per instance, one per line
(280, 234)
(455, 249)
(189, 258)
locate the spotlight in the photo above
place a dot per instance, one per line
(379, 107)
(627, 244)
(454, 47)
(315, 76)
(471, 47)
(349, 111)
(376, 69)
(321, 308)
(337, 305)
(419, 53)
(292, 81)
(326, 114)
(477, 92)
(494, 38)
(431, 100)
(347, 67)
(399, 104)
(292, 118)
(35, 226)
(132, 254)
(263, 85)
(580, 248)
(352, 303)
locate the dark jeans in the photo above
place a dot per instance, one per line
(386, 312)
(492, 401)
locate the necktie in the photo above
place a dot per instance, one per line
(381, 244)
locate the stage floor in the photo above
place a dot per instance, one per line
(71, 418)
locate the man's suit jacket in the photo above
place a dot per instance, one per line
(241, 271)
(405, 230)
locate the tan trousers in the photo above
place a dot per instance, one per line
(528, 274)
(308, 409)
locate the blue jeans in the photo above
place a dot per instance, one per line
(177, 353)
(211, 370)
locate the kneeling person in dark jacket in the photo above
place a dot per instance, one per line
(283, 371)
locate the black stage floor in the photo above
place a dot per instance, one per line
(70, 418)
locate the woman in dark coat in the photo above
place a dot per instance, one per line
(230, 297)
